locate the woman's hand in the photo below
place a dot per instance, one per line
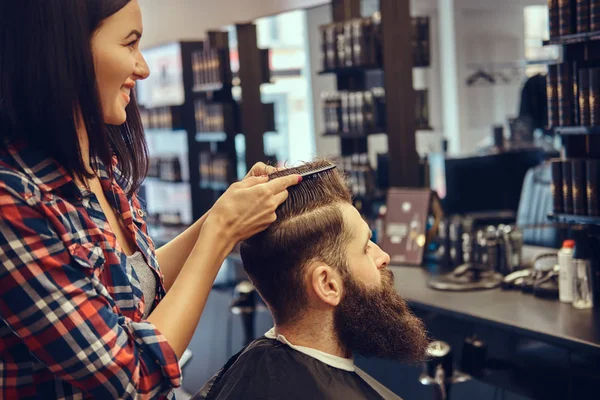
(248, 207)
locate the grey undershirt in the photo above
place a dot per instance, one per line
(146, 278)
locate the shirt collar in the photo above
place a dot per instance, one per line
(46, 173)
(346, 364)
(50, 176)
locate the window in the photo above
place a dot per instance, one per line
(536, 31)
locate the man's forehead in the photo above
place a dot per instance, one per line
(354, 224)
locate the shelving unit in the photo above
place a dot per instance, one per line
(396, 77)
(574, 219)
(575, 38)
(205, 77)
(573, 95)
(577, 130)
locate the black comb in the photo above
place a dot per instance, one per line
(314, 173)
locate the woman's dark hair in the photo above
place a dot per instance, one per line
(47, 74)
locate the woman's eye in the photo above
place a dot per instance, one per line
(132, 44)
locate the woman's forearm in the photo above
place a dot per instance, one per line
(177, 315)
(172, 256)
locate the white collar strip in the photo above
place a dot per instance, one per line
(346, 364)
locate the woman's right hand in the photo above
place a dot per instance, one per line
(248, 207)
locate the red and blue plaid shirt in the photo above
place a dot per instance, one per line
(71, 306)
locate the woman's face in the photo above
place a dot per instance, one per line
(118, 60)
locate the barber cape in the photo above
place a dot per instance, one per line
(272, 368)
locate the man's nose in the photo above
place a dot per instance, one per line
(383, 259)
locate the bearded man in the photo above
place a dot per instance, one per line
(331, 295)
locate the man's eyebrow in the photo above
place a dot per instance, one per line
(369, 236)
(134, 32)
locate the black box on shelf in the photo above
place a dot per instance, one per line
(552, 95)
(340, 44)
(594, 15)
(567, 174)
(422, 108)
(584, 97)
(557, 186)
(595, 96)
(553, 14)
(575, 83)
(566, 15)
(578, 170)
(592, 146)
(582, 12)
(348, 56)
(420, 41)
(565, 94)
(592, 167)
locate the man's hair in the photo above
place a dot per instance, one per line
(309, 227)
(47, 73)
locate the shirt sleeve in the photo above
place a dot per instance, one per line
(62, 313)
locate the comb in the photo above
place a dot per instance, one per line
(314, 173)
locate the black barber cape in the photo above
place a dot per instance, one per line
(270, 370)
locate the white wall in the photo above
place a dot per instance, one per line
(487, 37)
(171, 20)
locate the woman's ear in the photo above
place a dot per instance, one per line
(326, 284)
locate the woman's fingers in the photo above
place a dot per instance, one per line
(280, 197)
(280, 184)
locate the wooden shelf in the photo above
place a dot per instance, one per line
(354, 134)
(358, 70)
(211, 137)
(577, 130)
(209, 87)
(573, 39)
(574, 219)
(164, 131)
(216, 186)
(349, 70)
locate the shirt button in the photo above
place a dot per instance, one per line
(140, 213)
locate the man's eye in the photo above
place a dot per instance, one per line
(367, 249)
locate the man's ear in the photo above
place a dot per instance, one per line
(326, 284)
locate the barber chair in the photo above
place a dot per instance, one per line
(439, 371)
(535, 206)
(244, 304)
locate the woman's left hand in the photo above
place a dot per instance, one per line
(261, 169)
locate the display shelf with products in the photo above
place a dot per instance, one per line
(351, 48)
(574, 219)
(577, 130)
(215, 120)
(356, 44)
(575, 38)
(573, 93)
(188, 111)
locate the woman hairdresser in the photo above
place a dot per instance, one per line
(88, 307)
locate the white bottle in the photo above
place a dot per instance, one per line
(565, 274)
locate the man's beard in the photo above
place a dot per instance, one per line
(377, 322)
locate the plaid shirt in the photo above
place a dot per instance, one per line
(71, 305)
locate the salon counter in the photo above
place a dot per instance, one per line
(522, 314)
